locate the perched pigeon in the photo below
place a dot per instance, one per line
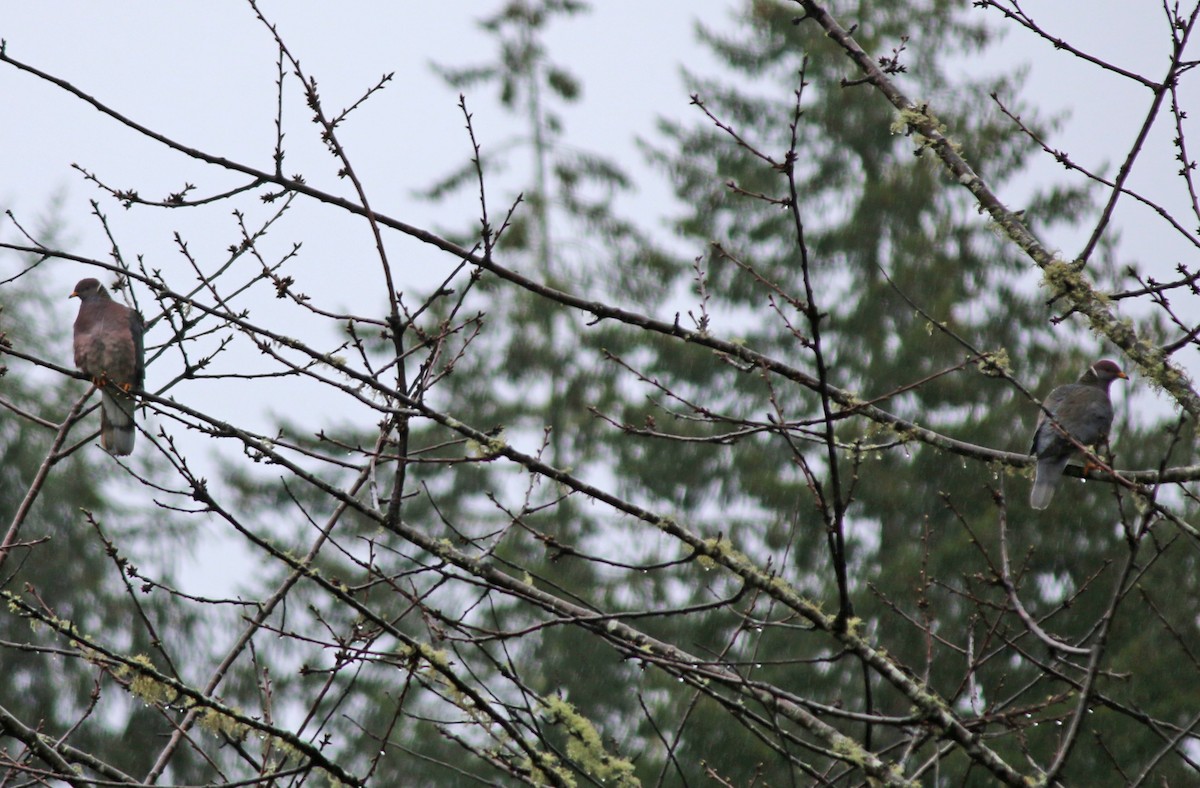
(108, 349)
(1085, 412)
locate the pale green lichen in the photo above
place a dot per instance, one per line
(850, 751)
(12, 598)
(851, 401)
(537, 775)
(1062, 278)
(145, 685)
(920, 123)
(585, 747)
(721, 551)
(489, 449)
(852, 625)
(219, 723)
(995, 364)
(439, 659)
(925, 700)
(900, 122)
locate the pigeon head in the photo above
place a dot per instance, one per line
(88, 289)
(1102, 373)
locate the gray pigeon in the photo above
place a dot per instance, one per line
(1085, 412)
(108, 349)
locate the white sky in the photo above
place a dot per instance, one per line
(203, 73)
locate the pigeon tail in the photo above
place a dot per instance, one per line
(116, 423)
(1045, 482)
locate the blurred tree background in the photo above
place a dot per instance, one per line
(636, 514)
(72, 554)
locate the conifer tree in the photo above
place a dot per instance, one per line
(917, 298)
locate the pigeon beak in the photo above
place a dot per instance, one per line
(74, 294)
(1122, 376)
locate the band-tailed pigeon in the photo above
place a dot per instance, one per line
(108, 349)
(1085, 412)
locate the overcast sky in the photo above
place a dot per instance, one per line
(203, 73)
